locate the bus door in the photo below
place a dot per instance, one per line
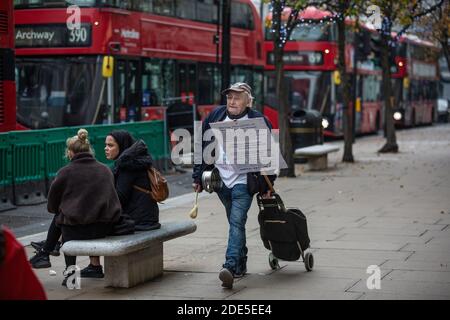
(181, 111)
(128, 90)
(187, 82)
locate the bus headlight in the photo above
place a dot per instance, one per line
(397, 116)
(325, 123)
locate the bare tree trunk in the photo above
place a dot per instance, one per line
(348, 125)
(283, 111)
(283, 116)
(391, 139)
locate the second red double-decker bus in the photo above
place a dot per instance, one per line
(313, 82)
(165, 54)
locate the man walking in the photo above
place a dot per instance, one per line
(234, 193)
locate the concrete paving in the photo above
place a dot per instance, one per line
(388, 210)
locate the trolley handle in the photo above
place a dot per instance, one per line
(274, 194)
(269, 184)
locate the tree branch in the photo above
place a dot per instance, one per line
(418, 15)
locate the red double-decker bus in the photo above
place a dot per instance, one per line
(165, 54)
(312, 79)
(415, 82)
(7, 85)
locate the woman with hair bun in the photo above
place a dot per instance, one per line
(83, 196)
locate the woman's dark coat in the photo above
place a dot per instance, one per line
(131, 169)
(83, 193)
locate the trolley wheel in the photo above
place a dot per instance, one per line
(273, 262)
(309, 261)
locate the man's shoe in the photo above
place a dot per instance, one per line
(40, 260)
(40, 245)
(226, 276)
(92, 271)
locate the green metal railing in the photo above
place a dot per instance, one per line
(37, 155)
(5, 162)
(27, 156)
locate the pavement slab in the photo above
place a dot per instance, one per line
(422, 275)
(413, 265)
(405, 288)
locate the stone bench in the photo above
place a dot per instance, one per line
(317, 155)
(131, 259)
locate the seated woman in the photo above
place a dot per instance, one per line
(130, 169)
(132, 160)
(83, 196)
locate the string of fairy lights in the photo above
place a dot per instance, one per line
(332, 18)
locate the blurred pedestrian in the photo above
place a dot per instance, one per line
(17, 279)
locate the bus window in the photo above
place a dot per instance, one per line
(134, 97)
(303, 32)
(21, 4)
(397, 91)
(207, 11)
(144, 5)
(270, 97)
(322, 95)
(371, 88)
(128, 90)
(185, 9)
(257, 88)
(151, 84)
(241, 74)
(164, 7)
(248, 75)
(406, 92)
(157, 81)
(309, 90)
(121, 88)
(122, 4)
(242, 16)
(57, 92)
(206, 88)
(187, 74)
(306, 90)
(168, 78)
(299, 90)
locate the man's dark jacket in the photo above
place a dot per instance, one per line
(83, 193)
(217, 115)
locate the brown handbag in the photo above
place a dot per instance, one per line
(159, 190)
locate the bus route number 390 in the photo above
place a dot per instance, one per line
(78, 35)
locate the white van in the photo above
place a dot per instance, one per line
(442, 109)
